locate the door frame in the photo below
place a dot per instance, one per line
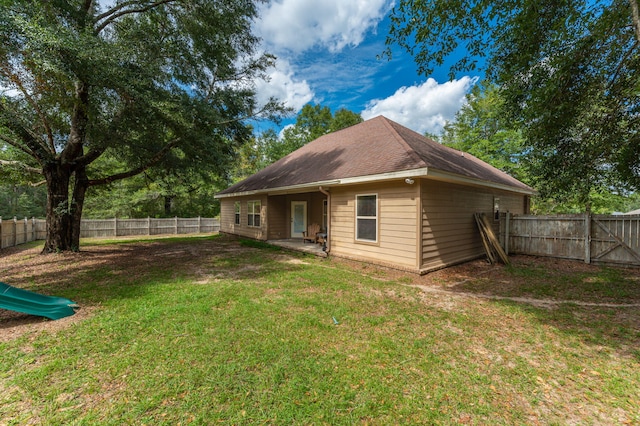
(292, 232)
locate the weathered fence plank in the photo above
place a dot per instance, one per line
(591, 238)
(14, 232)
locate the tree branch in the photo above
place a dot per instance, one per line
(20, 165)
(36, 149)
(117, 12)
(621, 64)
(635, 15)
(153, 160)
(16, 80)
(90, 156)
(17, 145)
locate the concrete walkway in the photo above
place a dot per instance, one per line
(298, 245)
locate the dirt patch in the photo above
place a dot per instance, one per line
(14, 325)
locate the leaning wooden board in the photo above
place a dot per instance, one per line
(489, 239)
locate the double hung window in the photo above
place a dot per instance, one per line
(253, 215)
(367, 217)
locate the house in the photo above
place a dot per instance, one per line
(383, 193)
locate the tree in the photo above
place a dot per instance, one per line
(145, 82)
(569, 73)
(483, 130)
(144, 196)
(312, 122)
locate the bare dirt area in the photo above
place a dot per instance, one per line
(541, 282)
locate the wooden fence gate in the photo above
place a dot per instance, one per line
(592, 238)
(615, 239)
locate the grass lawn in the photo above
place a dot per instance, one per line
(212, 330)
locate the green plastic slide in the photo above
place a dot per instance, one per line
(28, 302)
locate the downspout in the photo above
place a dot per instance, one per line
(327, 241)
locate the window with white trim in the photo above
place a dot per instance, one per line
(236, 207)
(367, 217)
(253, 213)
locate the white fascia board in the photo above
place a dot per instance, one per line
(415, 173)
(281, 190)
(455, 178)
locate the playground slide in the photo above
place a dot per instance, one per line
(19, 300)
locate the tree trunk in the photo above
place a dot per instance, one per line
(64, 214)
(168, 205)
(635, 16)
(77, 204)
(58, 214)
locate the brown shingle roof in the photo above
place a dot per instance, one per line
(374, 147)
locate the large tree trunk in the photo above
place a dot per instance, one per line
(58, 213)
(79, 191)
(63, 213)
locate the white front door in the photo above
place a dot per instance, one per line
(298, 218)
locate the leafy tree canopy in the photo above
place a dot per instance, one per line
(161, 83)
(481, 129)
(569, 72)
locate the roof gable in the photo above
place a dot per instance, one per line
(374, 147)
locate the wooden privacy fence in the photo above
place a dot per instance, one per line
(14, 231)
(591, 238)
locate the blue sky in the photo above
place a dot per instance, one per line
(327, 55)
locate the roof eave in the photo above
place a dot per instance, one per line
(281, 190)
(413, 173)
(456, 178)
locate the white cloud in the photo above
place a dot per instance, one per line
(9, 91)
(423, 108)
(283, 86)
(298, 25)
(106, 4)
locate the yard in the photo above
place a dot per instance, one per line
(208, 330)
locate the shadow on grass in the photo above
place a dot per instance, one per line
(126, 269)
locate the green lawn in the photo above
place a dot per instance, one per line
(211, 330)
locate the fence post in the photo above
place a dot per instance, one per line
(115, 226)
(506, 234)
(148, 225)
(33, 228)
(587, 237)
(176, 225)
(15, 231)
(199, 226)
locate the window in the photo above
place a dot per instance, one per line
(253, 216)
(367, 217)
(236, 207)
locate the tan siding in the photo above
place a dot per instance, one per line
(397, 218)
(278, 225)
(227, 217)
(449, 232)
